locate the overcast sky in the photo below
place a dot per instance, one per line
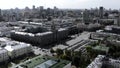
(73, 4)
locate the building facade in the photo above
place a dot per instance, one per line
(3, 55)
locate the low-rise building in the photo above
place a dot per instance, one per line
(101, 49)
(17, 49)
(44, 62)
(3, 55)
(97, 63)
(102, 35)
(14, 48)
(112, 29)
(80, 45)
(102, 61)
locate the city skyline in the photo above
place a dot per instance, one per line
(63, 4)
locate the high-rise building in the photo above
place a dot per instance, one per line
(55, 8)
(27, 9)
(86, 16)
(26, 13)
(0, 12)
(118, 19)
(33, 7)
(101, 10)
(41, 8)
(0, 15)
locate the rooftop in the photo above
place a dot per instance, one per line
(60, 46)
(100, 60)
(12, 45)
(23, 33)
(44, 61)
(46, 64)
(61, 29)
(44, 33)
(15, 46)
(101, 48)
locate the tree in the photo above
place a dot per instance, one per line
(106, 15)
(59, 52)
(91, 52)
(68, 53)
(49, 19)
(77, 53)
(89, 48)
(66, 57)
(76, 61)
(52, 51)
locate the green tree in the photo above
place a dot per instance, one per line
(67, 52)
(52, 51)
(49, 19)
(59, 52)
(76, 61)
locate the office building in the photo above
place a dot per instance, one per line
(86, 16)
(0, 12)
(43, 38)
(101, 12)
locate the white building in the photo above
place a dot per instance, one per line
(97, 63)
(16, 49)
(12, 49)
(101, 61)
(3, 55)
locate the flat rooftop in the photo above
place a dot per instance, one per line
(60, 46)
(101, 48)
(45, 61)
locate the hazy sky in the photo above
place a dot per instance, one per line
(7, 4)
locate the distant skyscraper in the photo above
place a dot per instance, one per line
(0, 15)
(101, 9)
(49, 10)
(41, 7)
(33, 7)
(118, 19)
(26, 13)
(0, 11)
(27, 9)
(86, 16)
(55, 8)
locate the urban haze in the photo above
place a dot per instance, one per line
(59, 34)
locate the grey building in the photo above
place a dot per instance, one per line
(101, 12)
(43, 38)
(3, 55)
